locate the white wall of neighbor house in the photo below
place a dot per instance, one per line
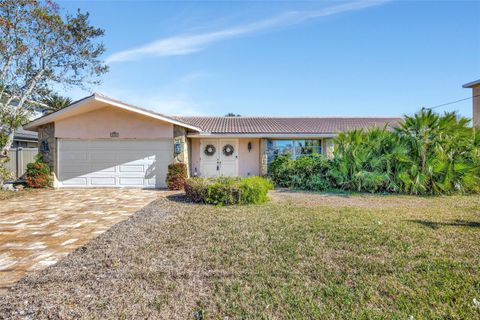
(248, 161)
(99, 124)
(476, 106)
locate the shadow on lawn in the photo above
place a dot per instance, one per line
(454, 223)
(180, 198)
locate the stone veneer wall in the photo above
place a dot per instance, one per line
(47, 133)
(180, 134)
(328, 148)
(263, 157)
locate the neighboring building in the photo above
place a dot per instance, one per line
(475, 86)
(23, 151)
(102, 142)
(25, 139)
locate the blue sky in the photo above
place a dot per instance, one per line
(313, 58)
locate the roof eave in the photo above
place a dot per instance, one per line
(472, 84)
(33, 125)
(262, 135)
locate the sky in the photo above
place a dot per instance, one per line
(281, 58)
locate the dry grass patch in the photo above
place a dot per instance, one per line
(9, 194)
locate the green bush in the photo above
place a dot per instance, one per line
(38, 174)
(5, 174)
(280, 171)
(228, 191)
(305, 173)
(176, 176)
(427, 154)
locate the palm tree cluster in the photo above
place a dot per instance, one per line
(426, 154)
(55, 102)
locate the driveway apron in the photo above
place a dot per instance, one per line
(39, 228)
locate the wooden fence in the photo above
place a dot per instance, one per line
(19, 158)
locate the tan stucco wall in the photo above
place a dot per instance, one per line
(99, 123)
(476, 106)
(194, 156)
(248, 162)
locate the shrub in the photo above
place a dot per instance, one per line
(427, 154)
(5, 174)
(280, 171)
(38, 174)
(176, 176)
(228, 191)
(306, 172)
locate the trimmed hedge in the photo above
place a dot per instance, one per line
(176, 176)
(228, 191)
(38, 174)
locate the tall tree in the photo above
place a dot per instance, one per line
(41, 47)
(55, 102)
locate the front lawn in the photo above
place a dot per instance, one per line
(300, 256)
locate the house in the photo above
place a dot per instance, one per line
(475, 86)
(102, 142)
(22, 152)
(25, 139)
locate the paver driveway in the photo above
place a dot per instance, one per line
(39, 228)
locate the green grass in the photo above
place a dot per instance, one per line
(369, 258)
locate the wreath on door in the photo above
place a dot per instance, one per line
(228, 150)
(210, 150)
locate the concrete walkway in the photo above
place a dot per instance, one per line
(39, 228)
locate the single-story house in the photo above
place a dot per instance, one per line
(25, 139)
(102, 142)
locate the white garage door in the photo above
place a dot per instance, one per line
(114, 163)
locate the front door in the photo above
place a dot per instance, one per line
(219, 157)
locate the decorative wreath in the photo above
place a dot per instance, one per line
(228, 150)
(210, 150)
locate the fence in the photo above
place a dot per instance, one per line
(19, 158)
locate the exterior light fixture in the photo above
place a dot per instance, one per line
(44, 147)
(249, 146)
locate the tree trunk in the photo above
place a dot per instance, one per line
(424, 158)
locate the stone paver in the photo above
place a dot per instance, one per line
(38, 229)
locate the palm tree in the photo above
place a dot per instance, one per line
(55, 102)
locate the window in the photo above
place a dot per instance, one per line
(305, 147)
(294, 148)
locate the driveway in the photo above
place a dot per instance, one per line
(39, 228)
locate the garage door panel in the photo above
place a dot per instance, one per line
(103, 181)
(74, 145)
(116, 163)
(105, 169)
(131, 181)
(73, 155)
(102, 144)
(135, 155)
(132, 168)
(78, 181)
(78, 169)
(101, 154)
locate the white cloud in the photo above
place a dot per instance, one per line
(170, 99)
(187, 44)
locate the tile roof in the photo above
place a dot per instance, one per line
(22, 134)
(279, 125)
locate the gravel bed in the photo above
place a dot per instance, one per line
(94, 281)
